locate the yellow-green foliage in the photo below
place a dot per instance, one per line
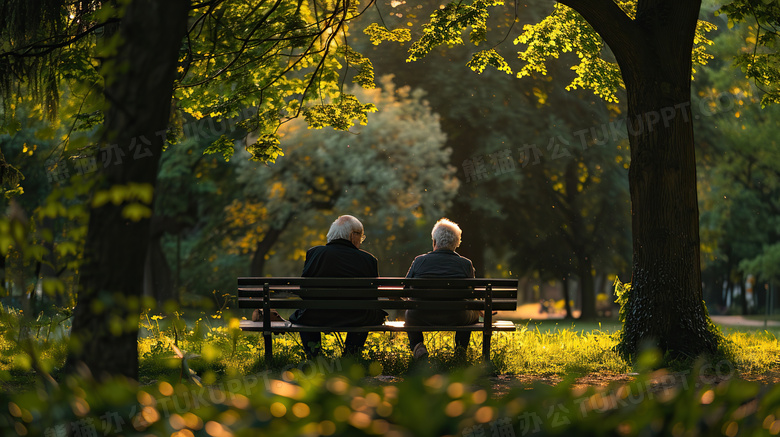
(214, 348)
(754, 352)
(21, 338)
(340, 402)
(531, 351)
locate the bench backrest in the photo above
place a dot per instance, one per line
(377, 293)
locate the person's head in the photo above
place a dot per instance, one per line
(347, 227)
(445, 235)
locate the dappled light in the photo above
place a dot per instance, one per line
(614, 165)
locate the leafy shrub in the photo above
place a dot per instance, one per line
(336, 399)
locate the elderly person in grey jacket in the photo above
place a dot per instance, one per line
(441, 262)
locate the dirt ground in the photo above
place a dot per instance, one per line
(659, 381)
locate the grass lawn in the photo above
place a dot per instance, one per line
(571, 366)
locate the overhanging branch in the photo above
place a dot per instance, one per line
(40, 49)
(616, 28)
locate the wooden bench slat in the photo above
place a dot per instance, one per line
(276, 326)
(377, 304)
(374, 293)
(381, 281)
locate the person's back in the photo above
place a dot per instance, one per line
(341, 257)
(442, 262)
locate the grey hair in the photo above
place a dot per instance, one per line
(446, 234)
(343, 227)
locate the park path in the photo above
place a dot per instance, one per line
(743, 321)
(530, 311)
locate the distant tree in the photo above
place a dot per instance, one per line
(582, 200)
(759, 181)
(193, 190)
(739, 168)
(761, 62)
(390, 173)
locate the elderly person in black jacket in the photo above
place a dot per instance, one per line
(442, 262)
(341, 257)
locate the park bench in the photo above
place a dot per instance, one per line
(388, 293)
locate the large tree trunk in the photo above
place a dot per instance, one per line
(138, 95)
(665, 306)
(471, 220)
(158, 277)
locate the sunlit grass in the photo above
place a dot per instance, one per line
(215, 349)
(755, 351)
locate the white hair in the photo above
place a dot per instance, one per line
(343, 226)
(446, 234)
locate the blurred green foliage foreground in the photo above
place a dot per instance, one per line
(333, 398)
(203, 376)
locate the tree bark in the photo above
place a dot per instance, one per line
(158, 277)
(257, 265)
(588, 295)
(580, 242)
(665, 305)
(566, 286)
(159, 281)
(138, 93)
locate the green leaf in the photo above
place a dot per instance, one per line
(377, 34)
(142, 192)
(483, 58)
(99, 199)
(66, 247)
(136, 211)
(340, 115)
(266, 149)
(223, 145)
(365, 75)
(53, 286)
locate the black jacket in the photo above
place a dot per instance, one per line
(339, 259)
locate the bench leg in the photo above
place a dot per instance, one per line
(269, 352)
(486, 346)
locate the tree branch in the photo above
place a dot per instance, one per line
(616, 28)
(29, 50)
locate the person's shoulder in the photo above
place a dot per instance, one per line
(420, 258)
(463, 257)
(367, 255)
(416, 264)
(424, 255)
(467, 264)
(315, 249)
